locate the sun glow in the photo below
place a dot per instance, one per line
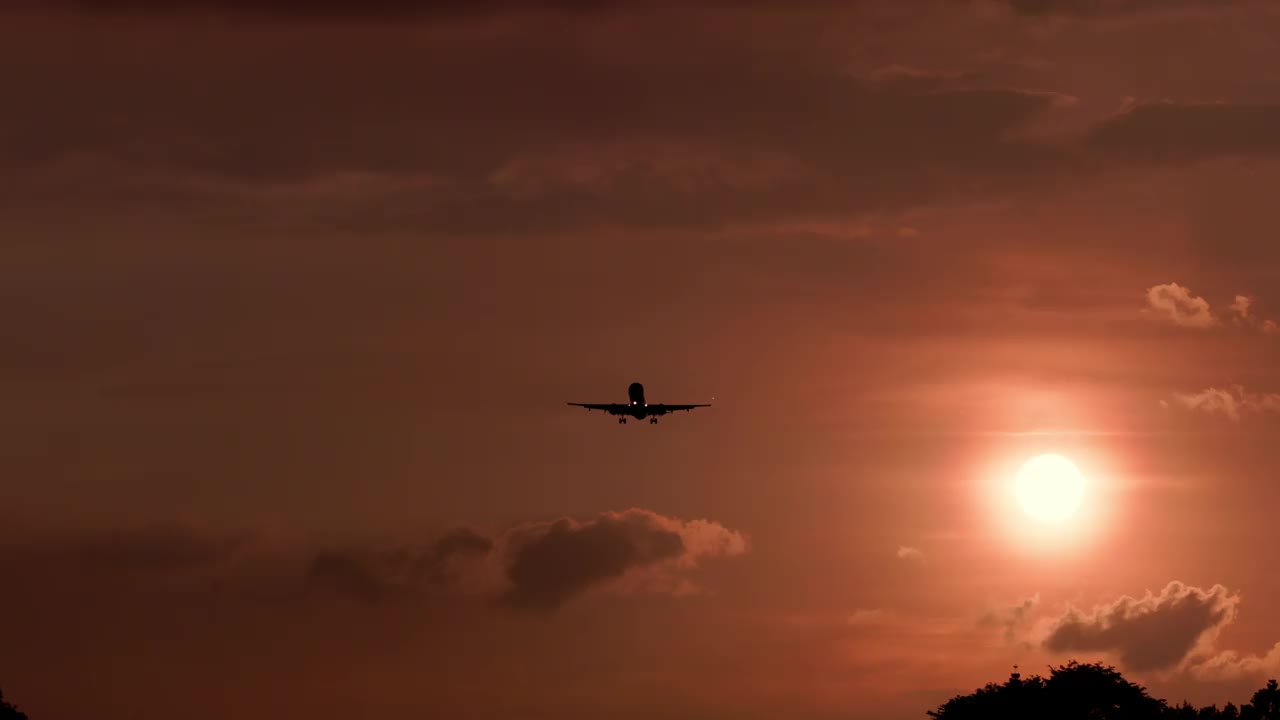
(1049, 488)
(1048, 497)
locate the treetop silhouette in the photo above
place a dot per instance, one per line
(1091, 691)
(10, 712)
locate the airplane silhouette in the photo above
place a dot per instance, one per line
(637, 408)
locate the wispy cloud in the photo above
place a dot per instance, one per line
(906, 552)
(1011, 620)
(1232, 402)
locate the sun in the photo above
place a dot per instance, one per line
(1050, 488)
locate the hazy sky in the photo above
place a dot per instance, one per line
(293, 295)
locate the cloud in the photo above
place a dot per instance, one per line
(156, 549)
(1109, 7)
(687, 169)
(158, 557)
(347, 575)
(1240, 306)
(909, 553)
(862, 617)
(1230, 665)
(1012, 620)
(1231, 403)
(550, 562)
(376, 575)
(536, 566)
(605, 138)
(1244, 315)
(449, 8)
(333, 8)
(1166, 131)
(1180, 306)
(1155, 632)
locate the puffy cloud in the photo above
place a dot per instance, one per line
(909, 553)
(1154, 632)
(346, 574)
(1012, 620)
(1178, 305)
(1181, 307)
(1242, 310)
(537, 566)
(1229, 665)
(373, 576)
(547, 563)
(1231, 403)
(1240, 306)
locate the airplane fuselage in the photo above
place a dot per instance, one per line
(636, 406)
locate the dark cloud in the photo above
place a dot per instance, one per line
(375, 575)
(537, 566)
(464, 8)
(1011, 620)
(1230, 664)
(333, 8)
(433, 129)
(1105, 7)
(155, 551)
(461, 541)
(428, 138)
(1155, 632)
(348, 575)
(1167, 132)
(552, 561)
(390, 9)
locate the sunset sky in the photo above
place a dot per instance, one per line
(294, 295)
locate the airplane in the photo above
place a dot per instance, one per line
(637, 408)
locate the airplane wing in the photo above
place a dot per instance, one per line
(611, 408)
(673, 408)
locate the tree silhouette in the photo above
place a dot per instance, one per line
(1091, 691)
(10, 712)
(1265, 704)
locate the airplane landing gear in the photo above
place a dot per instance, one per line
(622, 421)
(653, 421)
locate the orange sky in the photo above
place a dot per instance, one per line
(295, 293)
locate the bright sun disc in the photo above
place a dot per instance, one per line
(1050, 488)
